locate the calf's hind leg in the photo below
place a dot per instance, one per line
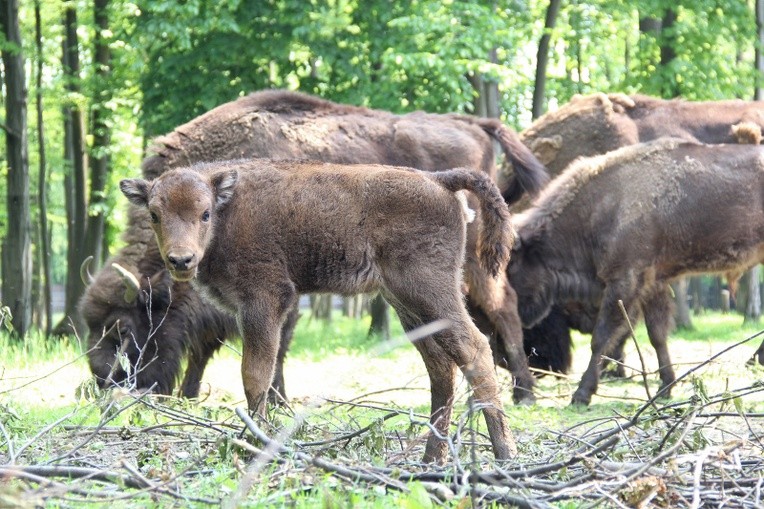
(463, 345)
(442, 372)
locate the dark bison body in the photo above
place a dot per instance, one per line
(255, 234)
(596, 124)
(289, 125)
(623, 225)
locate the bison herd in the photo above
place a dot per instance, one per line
(281, 193)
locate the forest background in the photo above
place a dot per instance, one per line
(87, 84)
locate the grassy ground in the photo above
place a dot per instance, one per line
(195, 453)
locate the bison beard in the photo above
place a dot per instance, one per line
(400, 231)
(672, 209)
(288, 125)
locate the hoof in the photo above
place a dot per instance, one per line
(527, 400)
(614, 374)
(664, 394)
(522, 396)
(580, 399)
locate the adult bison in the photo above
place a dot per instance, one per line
(620, 227)
(290, 125)
(255, 234)
(598, 123)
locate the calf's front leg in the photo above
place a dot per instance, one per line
(261, 323)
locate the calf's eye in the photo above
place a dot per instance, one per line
(154, 218)
(206, 216)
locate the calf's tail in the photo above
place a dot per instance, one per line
(496, 233)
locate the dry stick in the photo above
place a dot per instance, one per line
(41, 433)
(639, 352)
(376, 477)
(73, 472)
(28, 476)
(687, 373)
(97, 428)
(348, 436)
(11, 453)
(659, 458)
(76, 359)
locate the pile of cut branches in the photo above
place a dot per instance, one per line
(703, 451)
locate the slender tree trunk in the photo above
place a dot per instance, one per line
(99, 168)
(42, 185)
(753, 298)
(758, 93)
(682, 314)
(380, 318)
(17, 250)
(76, 205)
(668, 54)
(542, 58)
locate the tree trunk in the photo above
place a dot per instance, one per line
(696, 294)
(321, 306)
(758, 93)
(42, 186)
(668, 54)
(682, 313)
(753, 298)
(542, 58)
(99, 168)
(380, 318)
(17, 251)
(76, 205)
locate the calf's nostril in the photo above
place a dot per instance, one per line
(180, 262)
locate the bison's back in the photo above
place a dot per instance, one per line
(680, 207)
(333, 224)
(290, 125)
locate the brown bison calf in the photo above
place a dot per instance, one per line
(620, 227)
(255, 234)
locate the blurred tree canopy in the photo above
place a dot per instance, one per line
(171, 60)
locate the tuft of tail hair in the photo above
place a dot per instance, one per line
(529, 174)
(496, 233)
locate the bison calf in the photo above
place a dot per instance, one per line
(253, 235)
(620, 227)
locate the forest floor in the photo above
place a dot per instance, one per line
(353, 433)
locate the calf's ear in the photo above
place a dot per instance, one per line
(224, 183)
(136, 191)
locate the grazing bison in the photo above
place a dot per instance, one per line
(255, 234)
(154, 324)
(620, 227)
(596, 124)
(289, 125)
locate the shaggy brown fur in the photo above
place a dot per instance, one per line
(598, 123)
(284, 125)
(623, 225)
(255, 234)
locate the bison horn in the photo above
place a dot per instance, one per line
(85, 274)
(131, 282)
